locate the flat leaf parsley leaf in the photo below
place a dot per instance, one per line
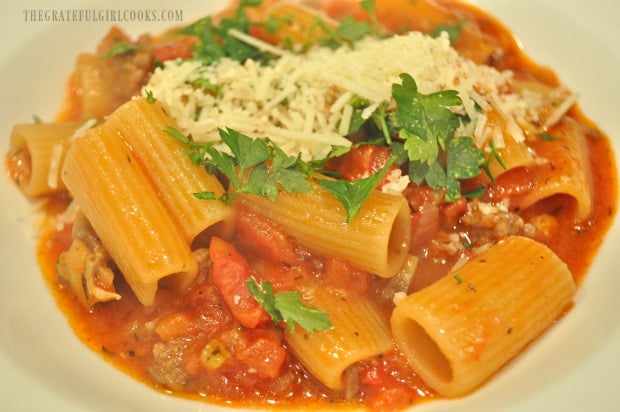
(350, 30)
(288, 307)
(119, 48)
(454, 31)
(258, 166)
(216, 42)
(427, 126)
(253, 166)
(463, 161)
(353, 194)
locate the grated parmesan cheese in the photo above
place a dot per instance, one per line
(302, 101)
(396, 182)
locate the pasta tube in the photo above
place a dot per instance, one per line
(104, 178)
(566, 169)
(36, 154)
(359, 332)
(512, 152)
(460, 330)
(141, 124)
(376, 240)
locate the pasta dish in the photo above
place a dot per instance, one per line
(362, 204)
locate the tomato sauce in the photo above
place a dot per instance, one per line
(168, 344)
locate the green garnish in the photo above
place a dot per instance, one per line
(216, 42)
(427, 126)
(424, 123)
(548, 137)
(287, 307)
(206, 85)
(349, 30)
(150, 97)
(352, 195)
(453, 30)
(462, 162)
(273, 23)
(487, 162)
(259, 167)
(119, 48)
(254, 166)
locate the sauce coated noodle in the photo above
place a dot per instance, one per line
(204, 334)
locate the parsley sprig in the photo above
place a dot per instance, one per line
(216, 42)
(427, 126)
(253, 166)
(258, 166)
(288, 307)
(454, 31)
(349, 31)
(353, 194)
(119, 48)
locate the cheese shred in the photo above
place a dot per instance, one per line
(303, 101)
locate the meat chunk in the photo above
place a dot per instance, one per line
(489, 223)
(84, 267)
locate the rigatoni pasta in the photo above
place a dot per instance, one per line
(171, 172)
(513, 152)
(315, 207)
(36, 154)
(565, 171)
(376, 240)
(460, 330)
(359, 332)
(126, 213)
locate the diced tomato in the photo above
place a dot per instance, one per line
(282, 277)
(265, 356)
(360, 162)
(179, 48)
(230, 273)
(419, 196)
(340, 274)
(264, 236)
(174, 325)
(424, 226)
(385, 392)
(456, 209)
(112, 38)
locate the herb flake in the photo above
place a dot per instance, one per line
(288, 307)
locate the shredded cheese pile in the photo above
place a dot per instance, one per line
(303, 101)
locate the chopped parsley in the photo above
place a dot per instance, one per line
(288, 307)
(259, 167)
(487, 162)
(119, 48)
(427, 126)
(349, 30)
(424, 123)
(150, 97)
(421, 129)
(453, 30)
(548, 137)
(353, 194)
(216, 42)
